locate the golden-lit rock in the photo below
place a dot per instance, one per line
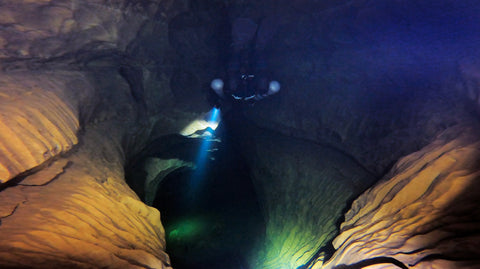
(71, 210)
(424, 214)
(38, 120)
(79, 213)
(68, 205)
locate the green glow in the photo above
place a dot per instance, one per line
(187, 229)
(292, 240)
(290, 247)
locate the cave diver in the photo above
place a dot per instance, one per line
(247, 76)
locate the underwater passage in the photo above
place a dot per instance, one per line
(349, 134)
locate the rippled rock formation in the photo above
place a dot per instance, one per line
(370, 90)
(40, 120)
(64, 202)
(78, 212)
(424, 213)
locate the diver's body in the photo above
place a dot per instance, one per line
(247, 78)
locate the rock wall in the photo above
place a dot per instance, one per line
(372, 79)
(55, 28)
(39, 119)
(303, 189)
(86, 84)
(67, 117)
(424, 214)
(78, 212)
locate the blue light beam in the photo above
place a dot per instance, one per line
(204, 151)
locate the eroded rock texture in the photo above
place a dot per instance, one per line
(377, 81)
(66, 118)
(85, 85)
(79, 213)
(39, 118)
(303, 188)
(53, 28)
(424, 214)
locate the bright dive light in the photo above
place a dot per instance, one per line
(273, 87)
(209, 120)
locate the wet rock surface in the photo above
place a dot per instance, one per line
(55, 28)
(303, 189)
(371, 79)
(38, 120)
(87, 85)
(82, 215)
(423, 214)
(67, 115)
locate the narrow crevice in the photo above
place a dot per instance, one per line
(373, 261)
(11, 213)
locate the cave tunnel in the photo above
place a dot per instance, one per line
(202, 186)
(239, 134)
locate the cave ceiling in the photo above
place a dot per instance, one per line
(369, 155)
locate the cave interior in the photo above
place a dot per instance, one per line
(118, 151)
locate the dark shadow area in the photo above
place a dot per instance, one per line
(373, 261)
(165, 147)
(212, 218)
(373, 82)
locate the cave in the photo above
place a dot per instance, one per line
(239, 134)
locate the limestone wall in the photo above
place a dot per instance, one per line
(53, 28)
(63, 201)
(67, 204)
(37, 119)
(79, 213)
(424, 214)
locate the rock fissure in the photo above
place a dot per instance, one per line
(44, 179)
(86, 86)
(11, 213)
(373, 261)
